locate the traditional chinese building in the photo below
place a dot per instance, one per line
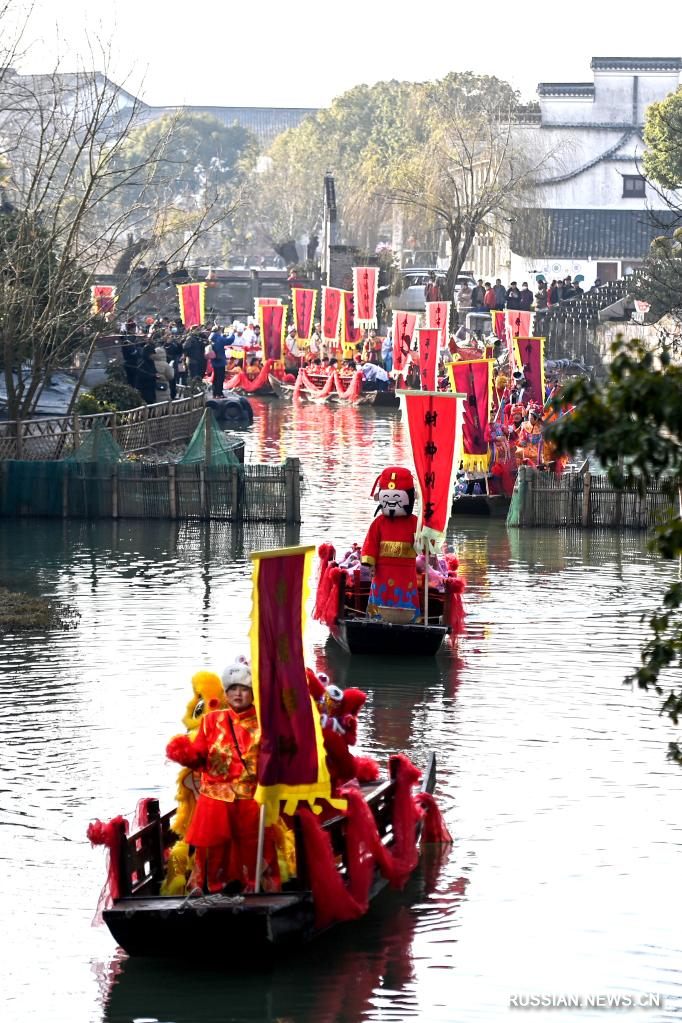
(594, 213)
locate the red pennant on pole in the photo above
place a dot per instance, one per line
(303, 308)
(530, 358)
(438, 315)
(272, 326)
(404, 326)
(428, 357)
(191, 301)
(331, 314)
(365, 282)
(351, 333)
(435, 425)
(475, 380)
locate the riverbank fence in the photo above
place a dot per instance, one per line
(135, 430)
(95, 490)
(588, 500)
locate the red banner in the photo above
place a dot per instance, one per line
(351, 333)
(258, 302)
(303, 309)
(104, 299)
(435, 424)
(331, 314)
(404, 326)
(438, 315)
(291, 763)
(273, 321)
(475, 380)
(499, 323)
(518, 321)
(191, 302)
(428, 357)
(530, 359)
(365, 282)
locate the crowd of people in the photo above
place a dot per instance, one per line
(486, 297)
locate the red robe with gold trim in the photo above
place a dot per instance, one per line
(389, 549)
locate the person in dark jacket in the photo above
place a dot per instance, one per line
(500, 294)
(478, 297)
(131, 357)
(513, 296)
(194, 350)
(218, 341)
(146, 374)
(525, 297)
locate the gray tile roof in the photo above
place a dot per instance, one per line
(582, 234)
(266, 123)
(636, 64)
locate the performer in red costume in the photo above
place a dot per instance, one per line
(224, 826)
(389, 548)
(339, 709)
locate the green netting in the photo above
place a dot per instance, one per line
(208, 444)
(31, 488)
(517, 501)
(98, 446)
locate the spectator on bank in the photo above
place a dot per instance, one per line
(193, 349)
(513, 296)
(464, 300)
(218, 341)
(554, 293)
(525, 297)
(500, 295)
(541, 296)
(387, 351)
(478, 297)
(146, 374)
(489, 297)
(432, 292)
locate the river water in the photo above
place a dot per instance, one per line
(564, 875)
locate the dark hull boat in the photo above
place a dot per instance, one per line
(363, 635)
(239, 927)
(493, 506)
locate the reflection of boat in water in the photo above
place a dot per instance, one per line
(145, 923)
(352, 964)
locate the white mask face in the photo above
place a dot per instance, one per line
(394, 503)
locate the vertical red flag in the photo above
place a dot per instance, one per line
(365, 283)
(303, 309)
(104, 299)
(273, 321)
(474, 379)
(438, 315)
(191, 302)
(530, 358)
(435, 425)
(404, 326)
(262, 300)
(351, 333)
(331, 314)
(428, 357)
(291, 764)
(499, 324)
(519, 322)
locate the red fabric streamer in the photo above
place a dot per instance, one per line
(112, 835)
(240, 379)
(434, 829)
(336, 901)
(141, 817)
(352, 390)
(326, 554)
(454, 588)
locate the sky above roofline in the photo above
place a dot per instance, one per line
(302, 55)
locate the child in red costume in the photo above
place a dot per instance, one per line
(389, 548)
(224, 826)
(338, 716)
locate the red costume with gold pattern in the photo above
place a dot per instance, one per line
(389, 546)
(224, 826)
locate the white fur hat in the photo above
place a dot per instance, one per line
(237, 674)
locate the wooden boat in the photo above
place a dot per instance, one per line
(234, 927)
(357, 633)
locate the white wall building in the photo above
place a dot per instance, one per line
(594, 213)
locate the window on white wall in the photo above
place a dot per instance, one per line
(634, 186)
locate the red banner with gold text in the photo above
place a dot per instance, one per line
(291, 764)
(428, 357)
(303, 310)
(438, 315)
(435, 425)
(530, 359)
(273, 321)
(365, 283)
(191, 302)
(404, 326)
(351, 333)
(475, 380)
(331, 314)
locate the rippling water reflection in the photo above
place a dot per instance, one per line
(563, 877)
